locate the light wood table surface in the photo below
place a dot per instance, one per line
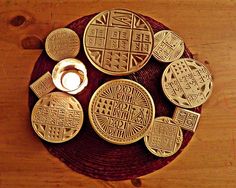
(209, 30)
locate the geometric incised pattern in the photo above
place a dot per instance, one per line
(43, 85)
(121, 111)
(164, 138)
(62, 43)
(186, 119)
(118, 42)
(168, 46)
(57, 117)
(187, 83)
(104, 160)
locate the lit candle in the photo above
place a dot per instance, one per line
(70, 75)
(71, 81)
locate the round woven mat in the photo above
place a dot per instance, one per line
(87, 153)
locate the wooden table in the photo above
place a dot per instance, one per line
(209, 30)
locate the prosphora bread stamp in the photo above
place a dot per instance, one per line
(187, 83)
(57, 117)
(62, 43)
(168, 46)
(164, 138)
(121, 111)
(118, 42)
(186, 119)
(43, 85)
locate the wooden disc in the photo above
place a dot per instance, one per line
(57, 117)
(164, 138)
(168, 46)
(121, 111)
(187, 83)
(62, 43)
(118, 42)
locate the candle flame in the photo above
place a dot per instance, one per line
(71, 81)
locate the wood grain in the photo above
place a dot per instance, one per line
(208, 28)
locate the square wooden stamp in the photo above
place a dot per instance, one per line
(43, 85)
(186, 119)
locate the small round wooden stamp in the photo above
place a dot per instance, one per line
(62, 43)
(164, 138)
(168, 46)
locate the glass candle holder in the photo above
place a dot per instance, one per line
(70, 75)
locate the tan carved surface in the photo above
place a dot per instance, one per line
(186, 119)
(121, 111)
(168, 46)
(187, 83)
(43, 85)
(164, 138)
(209, 29)
(62, 43)
(118, 42)
(57, 117)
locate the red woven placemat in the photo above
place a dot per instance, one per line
(87, 153)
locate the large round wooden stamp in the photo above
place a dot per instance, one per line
(121, 111)
(118, 42)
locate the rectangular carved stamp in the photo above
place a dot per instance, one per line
(43, 85)
(186, 119)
